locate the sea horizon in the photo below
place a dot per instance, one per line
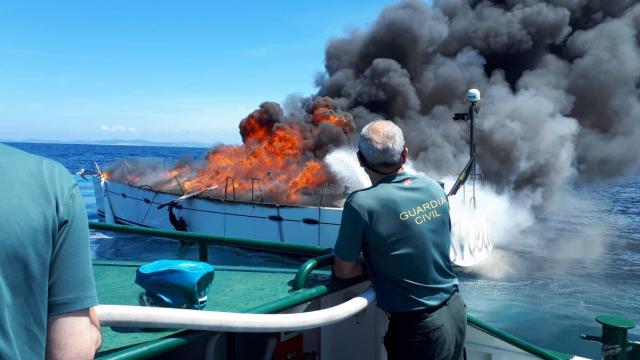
(113, 142)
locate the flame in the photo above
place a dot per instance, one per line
(105, 176)
(314, 174)
(280, 157)
(255, 131)
(324, 110)
(179, 171)
(325, 115)
(274, 156)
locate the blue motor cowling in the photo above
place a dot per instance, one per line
(176, 283)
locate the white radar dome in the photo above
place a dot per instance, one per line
(473, 95)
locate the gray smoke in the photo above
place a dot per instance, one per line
(560, 82)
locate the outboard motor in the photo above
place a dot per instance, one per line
(175, 283)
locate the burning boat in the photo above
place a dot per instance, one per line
(275, 187)
(225, 216)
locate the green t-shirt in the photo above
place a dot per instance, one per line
(402, 226)
(45, 261)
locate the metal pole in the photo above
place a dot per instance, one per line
(203, 251)
(472, 153)
(252, 184)
(471, 147)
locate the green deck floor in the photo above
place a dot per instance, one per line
(234, 289)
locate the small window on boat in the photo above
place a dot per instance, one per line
(124, 195)
(310, 221)
(275, 218)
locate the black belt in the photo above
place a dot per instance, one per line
(419, 312)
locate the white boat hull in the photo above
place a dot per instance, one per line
(302, 225)
(124, 204)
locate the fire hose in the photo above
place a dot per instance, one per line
(168, 318)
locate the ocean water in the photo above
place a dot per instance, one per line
(581, 258)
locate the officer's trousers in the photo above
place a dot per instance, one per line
(437, 334)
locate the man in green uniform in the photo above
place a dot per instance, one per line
(401, 225)
(46, 281)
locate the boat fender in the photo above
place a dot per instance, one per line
(175, 283)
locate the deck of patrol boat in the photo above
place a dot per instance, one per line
(234, 289)
(267, 290)
(293, 286)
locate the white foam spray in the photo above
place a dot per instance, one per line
(344, 166)
(498, 218)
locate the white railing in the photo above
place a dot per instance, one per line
(167, 318)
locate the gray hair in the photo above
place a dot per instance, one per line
(381, 143)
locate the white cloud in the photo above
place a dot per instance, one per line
(117, 128)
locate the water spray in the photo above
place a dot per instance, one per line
(470, 243)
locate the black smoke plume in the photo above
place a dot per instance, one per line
(560, 83)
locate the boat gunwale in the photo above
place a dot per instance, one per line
(513, 340)
(300, 249)
(296, 297)
(174, 341)
(245, 202)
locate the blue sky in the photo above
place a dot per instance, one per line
(159, 70)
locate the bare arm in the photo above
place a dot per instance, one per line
(74, 335)
(348, 269)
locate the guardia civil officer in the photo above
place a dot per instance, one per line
(401, 226)
(47, 292)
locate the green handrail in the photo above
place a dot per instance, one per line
(305, 269)
(516, 341)
(175, 341)
(159, 347)
(203, 239)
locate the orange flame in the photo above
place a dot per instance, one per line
(276, 155)
(180, 171)
(313, 175)
(325, 115)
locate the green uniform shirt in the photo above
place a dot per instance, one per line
(403, 228)
(45, 261)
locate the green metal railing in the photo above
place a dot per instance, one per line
(516, 341)
(207, 239)
(160, 347)
(299, 296)
(305, 269)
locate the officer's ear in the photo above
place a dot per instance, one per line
(405, 154)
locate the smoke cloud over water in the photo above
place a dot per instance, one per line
(559, 82)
